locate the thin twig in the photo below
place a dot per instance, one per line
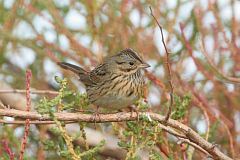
(190, 52)
(226, 78)
(2, 105)
(155, 80)
(22, 91)
(31, 122)
(168, 67)
(231, 142)
(27, 122)
(183, 140)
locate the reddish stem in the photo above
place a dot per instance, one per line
(27, 122)
(8, 149)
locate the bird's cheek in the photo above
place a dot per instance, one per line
(134, 68)
(124, 69)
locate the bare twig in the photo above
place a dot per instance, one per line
(216, 70)
(2, 105)
(28, 106)
(190, 135)
(31, 122)
(168, 68)
(231, 142)
(22, 91)
(155, 80)
(192, 144)
(190, 52)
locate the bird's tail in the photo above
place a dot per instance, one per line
(83, 75)
(75, 69)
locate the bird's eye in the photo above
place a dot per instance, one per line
(131, 63)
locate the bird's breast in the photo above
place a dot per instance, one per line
(120, 92)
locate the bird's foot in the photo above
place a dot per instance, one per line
(134, 109)
(96, 115)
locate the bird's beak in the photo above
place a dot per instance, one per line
(144, 65)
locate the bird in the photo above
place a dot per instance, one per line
(116, 83)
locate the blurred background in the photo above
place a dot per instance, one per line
(203, 37)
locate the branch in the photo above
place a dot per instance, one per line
(186, 132)
(168, 67)
(22, 91)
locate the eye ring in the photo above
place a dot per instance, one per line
(131, 63)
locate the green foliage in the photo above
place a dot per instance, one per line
(142, 105)
(180, 106)
(62, 142)
(65, 154)
(138, 135)
(65, 100)
(155, 156)
(49, 145)
(90, 154)
(56, 144)
(7, 135)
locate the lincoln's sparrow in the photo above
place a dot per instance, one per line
(116, 83)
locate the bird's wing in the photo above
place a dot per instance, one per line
(99, 74)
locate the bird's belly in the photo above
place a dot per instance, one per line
(115, 102)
